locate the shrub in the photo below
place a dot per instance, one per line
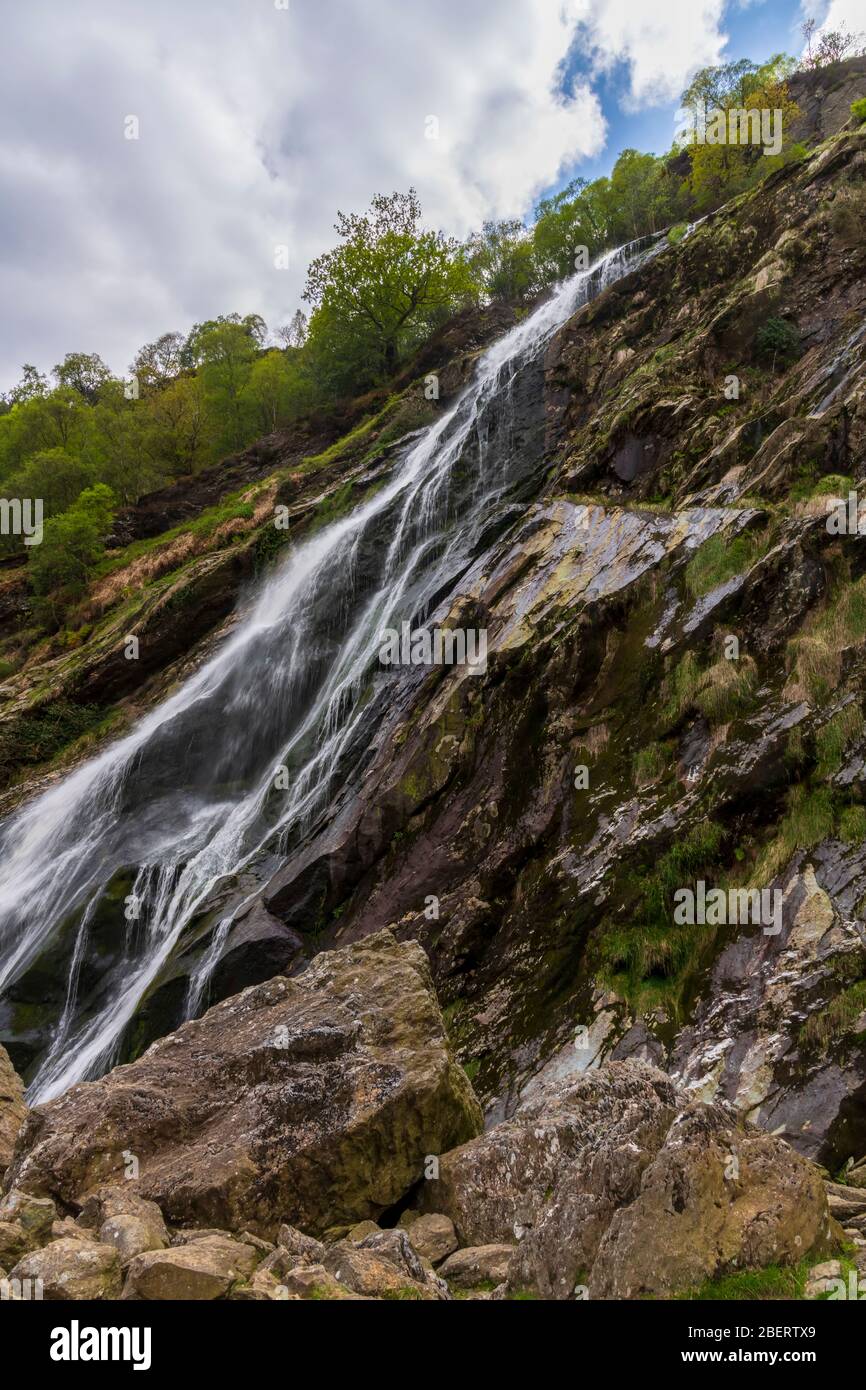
(858, 109)
(777, 338)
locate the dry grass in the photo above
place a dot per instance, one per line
(173, 555)
(815, 657)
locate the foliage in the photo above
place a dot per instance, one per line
(71, 545)
(379, 288)
(830, 46)
(777, 338)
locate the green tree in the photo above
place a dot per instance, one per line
(158, 363)
(72, 543)
(224, 351)
(501, 259)
(381, 285)
(84, 372)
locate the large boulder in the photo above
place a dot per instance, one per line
(616, 1184)
(495, 1188)
(73, 1269)
(313, 1100)
(13, 1109)
(200, 1271)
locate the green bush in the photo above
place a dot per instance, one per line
(858, 109)
(777, 338)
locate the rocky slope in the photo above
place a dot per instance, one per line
(332, 1103)
(674, 695)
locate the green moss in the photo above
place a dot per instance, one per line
(726, 689)
(650, 946)
(852, 825)
(720, 558)
(835, 736)
(774, 1282)
(334, 505)
(809, 820)
(650, 762)
(836, 1019)
(40, 736)
(679, 690)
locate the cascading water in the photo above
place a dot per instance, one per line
(135, 844)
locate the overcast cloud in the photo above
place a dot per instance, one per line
(258, 122)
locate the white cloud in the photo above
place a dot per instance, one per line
(257, 123)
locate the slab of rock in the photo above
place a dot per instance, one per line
(616, 1182)
(374, 1275)
(202, 1270)
(121, 1199)
(719, 1195)
(494, 1188)
(13, 1109)
(315, 1282)
(15, 1242)
(34, 1214)
(130, 1236)
(479, 1264)
(298, 1244)
(433, 1236)
(362, 1230)
(74, 1269)
(125, 1220)
(314, 1099)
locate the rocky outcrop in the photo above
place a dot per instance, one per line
(751, 1034)
(313, 1100)
(614, 1185)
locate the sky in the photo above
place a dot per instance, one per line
(253, 121)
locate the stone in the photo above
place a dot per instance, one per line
(14, 1242)
(433, 1236)
(716, 1195)
(315, 1282)
(363, 1228)
(264, 1287)
(315, 1099)
(34, 1214)
(202, 1270)
(478, 1264)
(374, 1275)
(299, 1244)
(73, 1269)
(67, 1227)
(141, 1221)
(494, 1188)
(130, 1236)
(13, 1109)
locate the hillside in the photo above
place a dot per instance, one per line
(628, 487)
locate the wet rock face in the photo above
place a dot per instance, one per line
(314, 1100)
(751, 1041)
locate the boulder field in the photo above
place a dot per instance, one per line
(314, 1138)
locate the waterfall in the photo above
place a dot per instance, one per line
(134, 844)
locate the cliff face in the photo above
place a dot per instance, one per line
(673, 694)
(682, 509)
